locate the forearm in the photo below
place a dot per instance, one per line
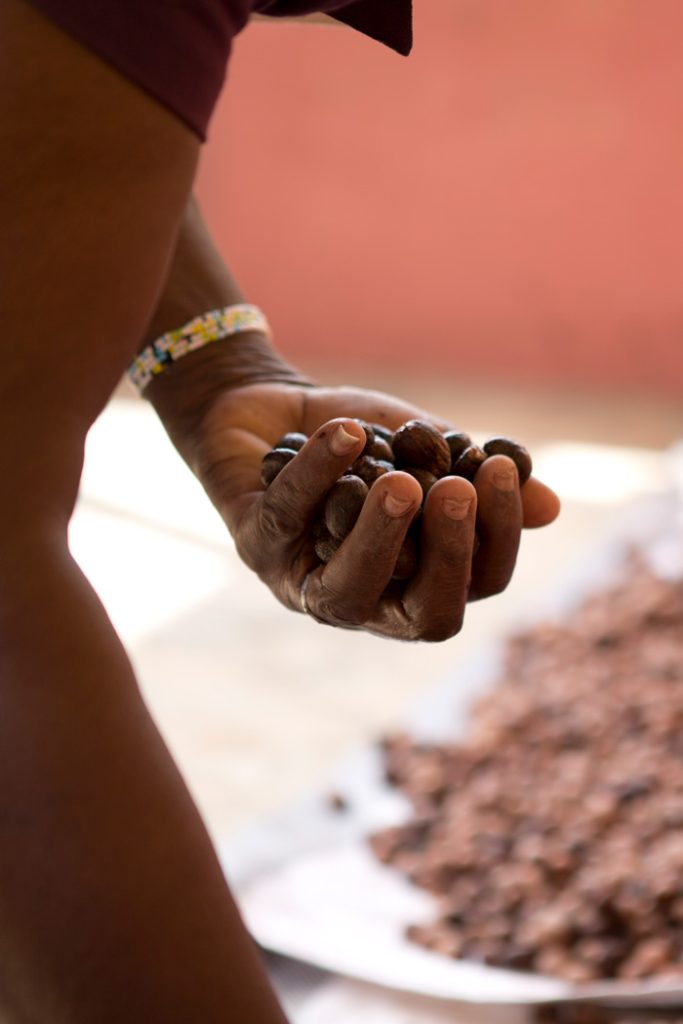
(199, 281)
(113, 904)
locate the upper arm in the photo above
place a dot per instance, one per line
(93, 182)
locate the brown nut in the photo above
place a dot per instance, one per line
(273, 461)
(457, 441)
(326, 547)
(420, 444)
(293, 440)
(380, 449)
(336, 801)
(514, 956)
(384, 432)
(369, 469)
(343, 505)
(513, 450)
(369, 435)
(469, 462)
(425, 479)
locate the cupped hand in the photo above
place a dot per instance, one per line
(272, 527)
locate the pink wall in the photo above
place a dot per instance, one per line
(508, 201)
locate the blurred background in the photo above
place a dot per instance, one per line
(504, 205)
(492, 229)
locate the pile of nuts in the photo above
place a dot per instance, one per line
(552, 836)
(417, 448)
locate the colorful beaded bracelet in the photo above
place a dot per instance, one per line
(203, 330)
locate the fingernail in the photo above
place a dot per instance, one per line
(341, 441)
(456, 509)
(394, 506)
(505, 480)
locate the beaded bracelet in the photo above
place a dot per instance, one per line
(203, 330)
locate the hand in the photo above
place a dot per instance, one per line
(272, 528)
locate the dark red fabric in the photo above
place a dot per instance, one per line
(389, 21)
(178, 50)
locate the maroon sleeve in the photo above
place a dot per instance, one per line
(388, 21)
(178, 50)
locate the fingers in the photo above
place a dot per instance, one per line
(355, 588)
(346, 591)
(541, 505)
(350, 589)
(499, 526)
(287, 507)
(436, 598)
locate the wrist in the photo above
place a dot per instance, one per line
(184, 393)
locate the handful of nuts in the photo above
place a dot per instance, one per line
(417, 448)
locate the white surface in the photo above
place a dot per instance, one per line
(342, 911)
(171, 574)
(609, 475)
(132, 468)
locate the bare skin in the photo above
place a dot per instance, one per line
(113, 906)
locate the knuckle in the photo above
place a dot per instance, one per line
(261, 543)
(432, 624)
(454, 561)
(279, 518)
(339, 608)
